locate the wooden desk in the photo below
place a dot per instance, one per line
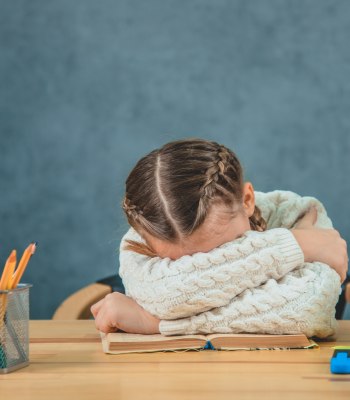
(67, 362)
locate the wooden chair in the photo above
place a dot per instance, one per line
(77, 305)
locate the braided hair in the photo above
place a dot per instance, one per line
(170, 191)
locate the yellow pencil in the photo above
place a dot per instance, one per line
(6, 278)
(9, 268)
(16, 277)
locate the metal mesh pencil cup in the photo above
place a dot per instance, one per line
(14, 328)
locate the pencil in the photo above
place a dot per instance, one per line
(9, 268)
(6, 277)
(28, 252)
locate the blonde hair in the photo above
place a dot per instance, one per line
(170, 191)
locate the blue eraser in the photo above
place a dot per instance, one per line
(340, 362)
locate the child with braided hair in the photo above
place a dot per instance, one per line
(207, 254)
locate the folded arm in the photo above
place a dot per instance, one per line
(172, 289)
(282, 208)
(193, 284)
(301, 302)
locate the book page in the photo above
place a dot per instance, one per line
(127, 343)
(134, 337)
(252, 341)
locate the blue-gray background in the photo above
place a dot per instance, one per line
(87, 87)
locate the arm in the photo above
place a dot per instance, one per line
(283, 208)
(302, 302)
(310, 225)
(193, 284)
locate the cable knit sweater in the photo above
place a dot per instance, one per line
(258, 283)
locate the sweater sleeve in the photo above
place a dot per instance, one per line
(301, 302)
(172, 289)
(282, 208)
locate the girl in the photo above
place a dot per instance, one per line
(205, 253)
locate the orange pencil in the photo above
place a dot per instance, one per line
(9, 268)
(16, 277)
(5, 282)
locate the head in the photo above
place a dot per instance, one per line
(189, 196)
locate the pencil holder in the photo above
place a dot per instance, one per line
(14, 328)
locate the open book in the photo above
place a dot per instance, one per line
(117, 343)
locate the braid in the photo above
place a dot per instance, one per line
(135, 217)
(215, 172)
(257, 222)
(215, 183)
(132, 211)
(224, 157)
(218, 180)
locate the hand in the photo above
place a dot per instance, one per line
(307, 220)
(323, 245)
(117, 311)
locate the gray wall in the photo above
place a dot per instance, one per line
(88, 87)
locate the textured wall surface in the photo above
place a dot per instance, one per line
(87, 87)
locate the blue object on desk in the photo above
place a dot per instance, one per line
(340, 362)
(208, 346)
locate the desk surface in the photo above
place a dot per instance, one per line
(66, 362)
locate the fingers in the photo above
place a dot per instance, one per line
(95, 308)
(104, 322)
(346, 259)
(308, 220)
(310, 216)
(346, 262)
(342, 254)
(105, 312)
(313, 215)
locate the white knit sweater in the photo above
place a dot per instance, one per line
(258, 283)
